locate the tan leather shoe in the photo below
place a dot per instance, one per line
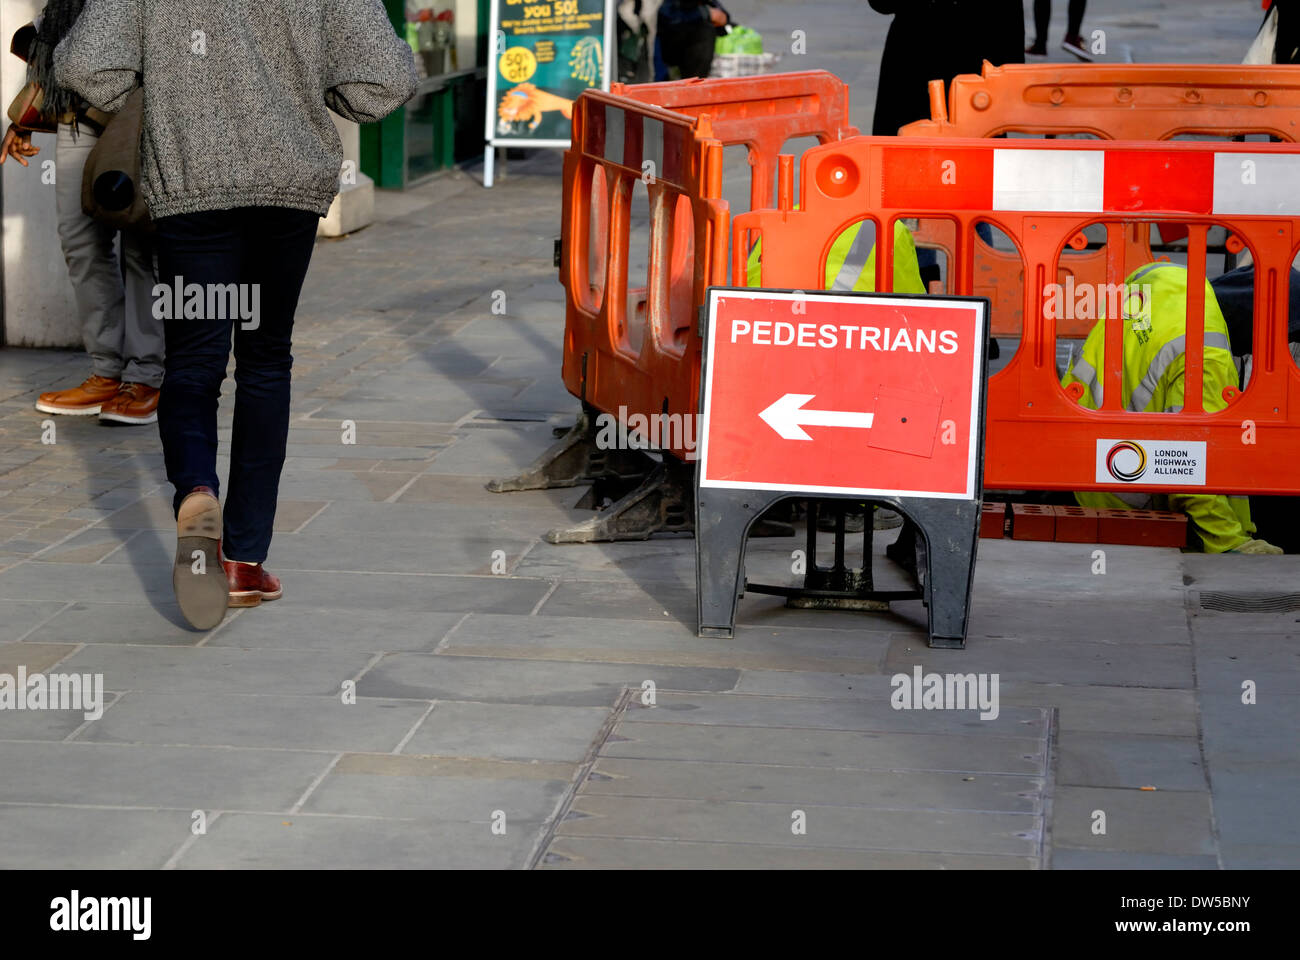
(81, 401)
(134, 403)
(197, 576)
(250, 584)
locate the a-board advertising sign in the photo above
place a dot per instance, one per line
(545, 53)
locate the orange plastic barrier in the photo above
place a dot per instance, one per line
(760, 112)
(1042, 194)
(1108, 101)
(631, 344)
(1128, 101)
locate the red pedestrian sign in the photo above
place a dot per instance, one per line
(842, 393)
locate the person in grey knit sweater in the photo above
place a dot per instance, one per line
(239, 160)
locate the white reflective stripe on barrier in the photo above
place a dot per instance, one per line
(1048, 180)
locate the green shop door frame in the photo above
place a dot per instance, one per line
(432, 132)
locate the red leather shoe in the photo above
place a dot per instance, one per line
(250, 584)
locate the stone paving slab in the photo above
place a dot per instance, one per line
(828, 748)
(507, 731)
(88, 838)
(191, 671)
(1126, 760)
(1065, 858)
(775, 783)
(18, 618)
(544, 683)
(830, 826)
(336, 629)
(605, 853)
(151, 775)
(107, 622)
(315, 842)
(648, 601)
(396, 553)
(437, 798)
(416, 592)
(667, 641)
(282, 722)
(36, 657)
(1044, 661)
(875, 715)
(1137, 821)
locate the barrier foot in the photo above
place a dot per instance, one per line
(664, 502)
(574, 460)
(661, 503)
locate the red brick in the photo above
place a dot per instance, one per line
(993, 520)
(1032, 521)
(1142, 528)
(1075, 524)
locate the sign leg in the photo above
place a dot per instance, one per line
(722, 522)
(946, 544)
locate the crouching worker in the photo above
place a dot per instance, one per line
(1154, 358)
(851, 263)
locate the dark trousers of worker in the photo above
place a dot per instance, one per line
(688, 47)
(266, 251)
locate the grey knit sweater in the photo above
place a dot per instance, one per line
(236, 92)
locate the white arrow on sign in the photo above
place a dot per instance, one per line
(788, 417)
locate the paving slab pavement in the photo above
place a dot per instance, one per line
(439, 687)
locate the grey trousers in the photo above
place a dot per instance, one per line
(120, 332)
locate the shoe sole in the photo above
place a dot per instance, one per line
(69, 411)
(202, 597)
(123, 418)
(1079, 52)
(253, 598)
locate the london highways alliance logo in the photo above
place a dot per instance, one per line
(1127, 461)
(1148, 461)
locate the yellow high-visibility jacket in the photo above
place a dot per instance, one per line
(1154, 356)
(850, 267)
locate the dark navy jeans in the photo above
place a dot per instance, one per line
(264, 252)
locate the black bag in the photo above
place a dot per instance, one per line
(110, 184)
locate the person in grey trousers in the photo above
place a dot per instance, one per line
(240, 160)
(113, 297)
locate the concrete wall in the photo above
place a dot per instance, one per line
(37, 308)
(354, 207)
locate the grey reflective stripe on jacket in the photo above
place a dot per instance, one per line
(855, 261)
(1159, 366)
(1147, 269)
(1082, 370)
(1160, 363)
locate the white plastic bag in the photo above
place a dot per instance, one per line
(1261, 51)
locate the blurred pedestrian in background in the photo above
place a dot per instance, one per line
(1073, 41)
(240, 162)
(114, 299)
(686, 34)
(937, 40)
